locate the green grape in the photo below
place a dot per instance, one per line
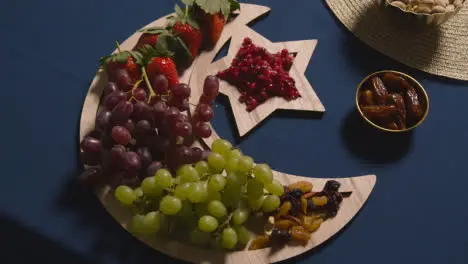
(243, 235)
(204, 188)
(138, 224)
(195, 193)
(216, 183)
(202, 167)
(216, 162)
(181, 190)
(232, 164)
(263, 173)
(125, 195)
(186, 209)
(213, 196)
(242, 176)
(207, 223)
(215, 243)
(153, 221)
(170, 205)
(199, 237)
(221, 146)
(275, 188)
(233, 179)
(201, 209)
(245, 164)
(270, 203)
(150, 188)
(256, 204)
(138, 192)
(231, 195)
(163, 178)
(254, 189)
(217, 209)
(187, 173)
(235, 153)
(229, 238)
(240, 216)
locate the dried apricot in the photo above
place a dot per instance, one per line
(285, 224)
(320, 201)
(284, 209)
(304, 186)
(311, 223)
(259, 242)
(304, 205)
(299, 233)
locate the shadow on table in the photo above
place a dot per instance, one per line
(21, 245)
(371, 144)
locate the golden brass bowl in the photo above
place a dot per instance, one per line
(417, 86)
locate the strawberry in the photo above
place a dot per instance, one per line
(185, 27)
(158, 60)
(150, 36)
(127, 60)
(212, 16)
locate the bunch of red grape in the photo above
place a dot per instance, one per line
(139, 131)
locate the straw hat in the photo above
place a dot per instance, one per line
(441, 50)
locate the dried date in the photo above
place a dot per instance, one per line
(394, 82)
(380, 92)
(413, 104)
(366, 98)
(397, 100)
(379, 111)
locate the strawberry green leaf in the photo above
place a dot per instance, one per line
(153, 30)
(120, 57)
(182, 47)
(213, 6)
(179, 11)
(192, 22)
(234, 5)
(148, 52)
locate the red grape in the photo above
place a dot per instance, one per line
(121, 135)
(204, 112)
(121, 112)
(90, 176)
(118, 155)
(103, 120)
(132, 161)
(159, 108)
(140, 94)
(141, 110)
(153, 168)
(90, 144)
(145, 157)
(143, 127)
(181, 91)
(172, 114)
(211, 87)
(196, 154)
(183, 129)
(110, 88)
(202, 129)
(124, 81)
(130, 125)
(90, 158)
(160, 84)
(113, 99)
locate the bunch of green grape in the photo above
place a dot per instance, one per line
(214, 198)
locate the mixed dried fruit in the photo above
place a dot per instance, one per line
(427, 6)
(300, 213)
(260, 75)
(391, 101)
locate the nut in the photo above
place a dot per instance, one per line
(438, 9)
(443, 3)
(450, 8)
(422, 8)
(399, 4)
(457, 3)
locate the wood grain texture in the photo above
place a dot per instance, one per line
(360, 186)
(246, 121)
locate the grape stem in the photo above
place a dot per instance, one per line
(225, 222)
(145, 77)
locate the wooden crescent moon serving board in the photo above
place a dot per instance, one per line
(360, 186)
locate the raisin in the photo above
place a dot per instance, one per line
(332, 186)
(285, 224)
(280, 235)
(259, 242)
(310, 205)
(304, 205)
(296, 193)
(304, 186)
(299, 233)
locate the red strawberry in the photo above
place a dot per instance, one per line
(127, 60)
(185, 27)
(150, 36)
(214, 27)
(165, 66)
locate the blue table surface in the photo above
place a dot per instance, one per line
(49, 49)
